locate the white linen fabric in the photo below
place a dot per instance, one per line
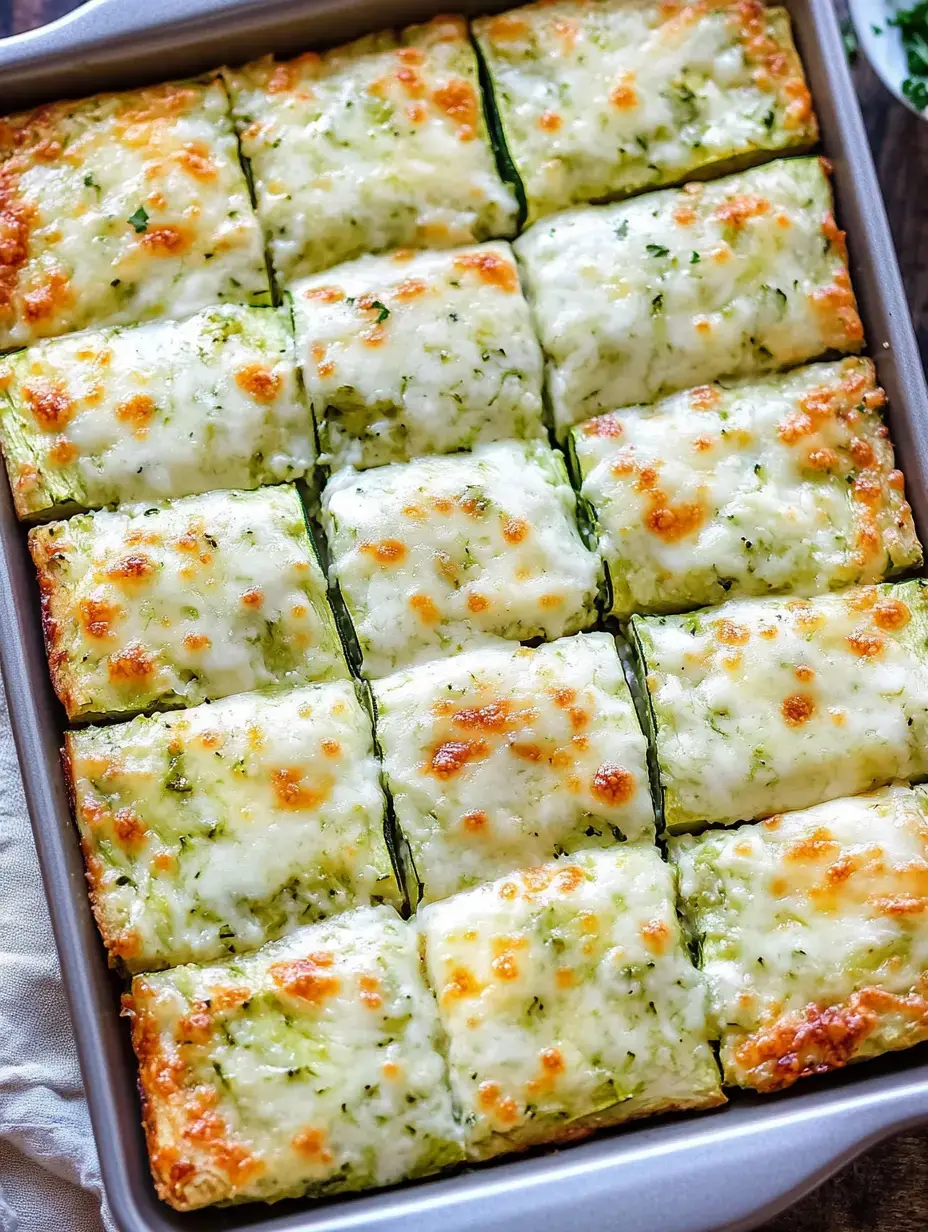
(49, 1174)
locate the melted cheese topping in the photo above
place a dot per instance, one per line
(783, 484)
(379, 144)
(603, 99)
(309, 1068)
(769, 704)
(742, 275)
(418, 353)
(210, 831)
(156, 411)
(122, 208)
(440, 554)
(184, 601)
(813, 935)
(568, 1000)
(506, 757)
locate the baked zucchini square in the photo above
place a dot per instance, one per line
(418, 353)
(762, 705)
(123, 208)
(599, 100)
(509, 756)
(568, 1000)
(736, 277)
(378, 144)
(440, 554)
(783, 484)
(309, 1068)
(154, 411)
(811, 931)
(208, 831)
(184, 601)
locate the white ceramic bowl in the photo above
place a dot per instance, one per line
(883, 50)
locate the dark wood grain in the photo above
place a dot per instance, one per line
(885, 1190)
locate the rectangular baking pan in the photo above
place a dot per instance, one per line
(726, 1170)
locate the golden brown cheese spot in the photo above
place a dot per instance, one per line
(613, 785)
(568, 879)
(475, 822)
(729, 633)
(822, 460)
(684, 215)
(131, 569)
(505, 967)
(461, 984)
(866, 645)
(819, 845)
(490, 268)
(52, 295)
(655, 934)
(550, 601)
(890, 614)
(868, 489)
(736, 211)
(425, 609)
(552, 1061)
(307, 979)
(564, 696)
(579, 718)
(477, 603)
(410, 81)
(330, 747)
(804, 673)
(131, 666)
(312, 1145)
(492, 717)
(63, 451)
(861, 452)
(795, 426)
(326, 295)
(253, 597)
(608, 425)
(50, 404)
(896, 480)
(386, 552)
(290, 792)
(196, 641)
(705, 397)
(229, 998)
(623, 95)
(565, 977)
(813, 1041)
(458, 100)
(129, 828)
(410, 289)
(166, 240)
(370, 992)
(797, 709)
(15, 222)
(137, 412)
(260, 383)
(674, 522)
(197, 1026)
(280, 80)
(98, 617)
(525, 750)
(508, 28)
(514, 529)
(451, 756)
(550, 121)
(196, 160)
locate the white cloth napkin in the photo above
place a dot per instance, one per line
(49, 1174)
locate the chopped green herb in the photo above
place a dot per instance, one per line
(656, 250)
(621, 230)
(695, 259)
(384, 311)
(849, 38)
(912, 25)
(139, 220)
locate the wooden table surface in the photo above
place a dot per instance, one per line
(885, 1190)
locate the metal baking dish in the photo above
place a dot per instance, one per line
(729, 1169)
